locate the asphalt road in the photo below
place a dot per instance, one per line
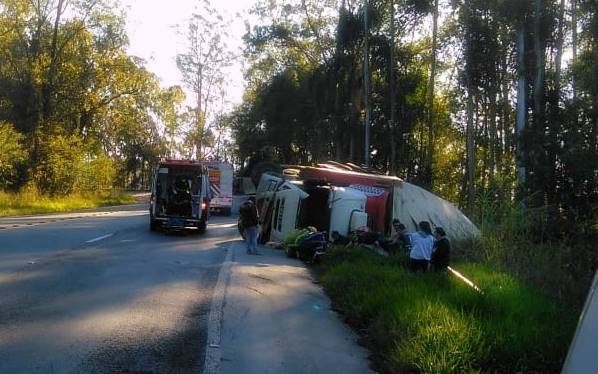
(99, 293)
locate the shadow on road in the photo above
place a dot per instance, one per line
(136, 302)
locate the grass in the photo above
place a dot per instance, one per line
(558, 259)
(434, 323)
(29, 202)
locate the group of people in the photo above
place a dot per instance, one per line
(427, 249)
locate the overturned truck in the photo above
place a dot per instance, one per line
(287, 204)
(314, 195)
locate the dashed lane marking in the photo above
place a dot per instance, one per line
(99, 238)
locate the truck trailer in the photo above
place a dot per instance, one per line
(221, 186)
(390, 198)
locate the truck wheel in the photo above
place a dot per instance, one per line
(153, 225)
(202, 227)
(226, 212)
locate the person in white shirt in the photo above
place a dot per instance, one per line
(422, 244)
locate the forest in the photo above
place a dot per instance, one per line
(492, 105)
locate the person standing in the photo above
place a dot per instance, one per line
(442, 248)
(422, 243)
(249, 221)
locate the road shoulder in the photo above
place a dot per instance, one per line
(275, 319)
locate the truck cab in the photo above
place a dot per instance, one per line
(180, 197)
(286, 205)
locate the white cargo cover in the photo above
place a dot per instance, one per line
(412, 204)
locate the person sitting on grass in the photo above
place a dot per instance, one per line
(422, 243)
(441, 253)
(338, 239)
(365, 236)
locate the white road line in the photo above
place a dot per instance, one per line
(213, 352)
(99, 238)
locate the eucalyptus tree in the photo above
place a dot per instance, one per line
(203, 65)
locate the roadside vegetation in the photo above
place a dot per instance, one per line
(31, 202)
(532, 290)
(435, 323)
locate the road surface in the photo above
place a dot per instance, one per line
(98, 292)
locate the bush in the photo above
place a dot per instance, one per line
(434, 323)
(66, 166)
(12, 155)
(97, 174)
(60, 164)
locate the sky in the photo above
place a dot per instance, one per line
(153, 36)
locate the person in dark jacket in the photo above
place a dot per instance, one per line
(442, 250)
(249, 221)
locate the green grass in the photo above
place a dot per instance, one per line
(29, 202)
(434, 323)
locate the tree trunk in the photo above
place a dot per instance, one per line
(506, 111)
(574, 44)
(521, 107)
(555, 111)
(537, 153)
(393, 101)
(366, 86)
(470, 147)
(48, 87)
(428, 175)
(494, 147)
(337, 76)
(199, 115)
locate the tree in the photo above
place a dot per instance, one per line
(430, 100)
(203, 64)
(12, 155)
(70, 79)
